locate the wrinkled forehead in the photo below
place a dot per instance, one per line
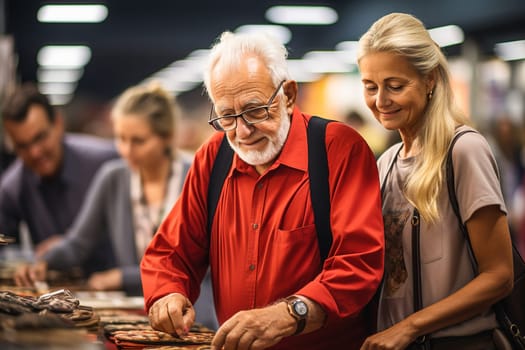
(249, 72)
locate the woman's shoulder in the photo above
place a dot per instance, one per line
(388, 154)
(112, 171)
(469, 142)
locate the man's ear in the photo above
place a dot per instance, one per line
(290, 91)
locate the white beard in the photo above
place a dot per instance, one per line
(274, 146)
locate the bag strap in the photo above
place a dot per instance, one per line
(454, 200)
(423, 341)
(416, 262)
(317, 170)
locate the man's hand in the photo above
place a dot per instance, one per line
(172, 314)
(106, 280)
(26, 275)
(255, 329)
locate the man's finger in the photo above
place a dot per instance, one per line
(220, 337)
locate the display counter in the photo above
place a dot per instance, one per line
(85, 320)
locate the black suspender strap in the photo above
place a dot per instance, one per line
(221, 167)
(319, 186)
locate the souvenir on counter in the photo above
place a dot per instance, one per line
(18, 311)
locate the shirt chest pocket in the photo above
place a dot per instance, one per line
(299, 246)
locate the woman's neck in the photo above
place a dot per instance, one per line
(410, 147)
(157, 173)
(155, 181)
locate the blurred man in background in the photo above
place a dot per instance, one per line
(44, 187)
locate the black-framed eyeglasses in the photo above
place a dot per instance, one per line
(250, 116)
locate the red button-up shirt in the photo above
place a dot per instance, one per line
(263, 242)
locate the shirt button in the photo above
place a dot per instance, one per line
(260, 185)
(252, 267)
(255, 226)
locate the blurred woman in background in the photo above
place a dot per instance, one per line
(129, 196)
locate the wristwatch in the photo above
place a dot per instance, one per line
(298, 309)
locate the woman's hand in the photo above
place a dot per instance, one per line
(397, 337)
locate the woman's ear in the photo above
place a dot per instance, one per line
(431, 81)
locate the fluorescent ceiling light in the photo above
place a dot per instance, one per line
(447, 35)
(329, 62)
(58, 100)
(283, 34)
(64, 56)
(349, 48)
(172, 86)
(72, 13)
(59, 75)
(300, 72)
(181, 72)
(313, 15)
(57, 88)
(511, 50)
(349, 45)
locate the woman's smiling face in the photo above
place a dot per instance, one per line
(394, 91)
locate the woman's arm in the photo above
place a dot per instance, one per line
(490, 238)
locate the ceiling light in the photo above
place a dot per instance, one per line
(283, 34)
(72, 13)
(511, 50)
(329, 62)
(447, 35)
(58, 99)
(64, 56)
(349, 48)
(300, 72)
(59, 75)
(313, 15)
(57, 88)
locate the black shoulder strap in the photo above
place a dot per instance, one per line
(221, 167)
(318, 172)
(452, 196)
(319, 186)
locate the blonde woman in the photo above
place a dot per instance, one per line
(407, 88)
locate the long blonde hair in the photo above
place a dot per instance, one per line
(406, 36)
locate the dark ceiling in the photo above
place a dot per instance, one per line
(140, 37)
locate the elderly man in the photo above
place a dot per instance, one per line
(271, 287)
(45, 187)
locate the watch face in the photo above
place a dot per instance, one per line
(300, 308)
